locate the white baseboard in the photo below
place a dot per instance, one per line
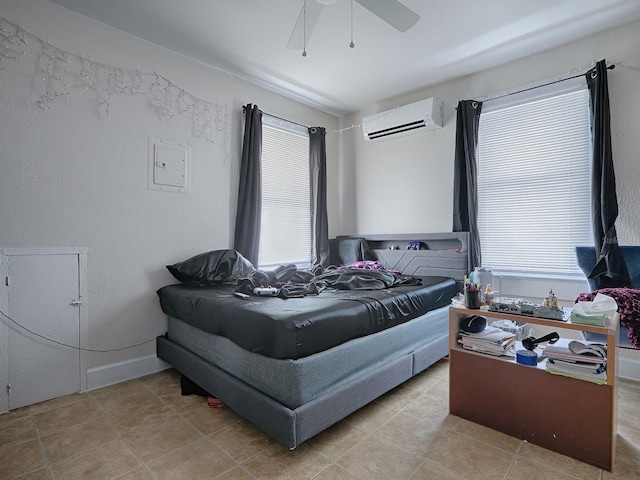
(119, 372)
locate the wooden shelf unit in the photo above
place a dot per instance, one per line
(573, 417)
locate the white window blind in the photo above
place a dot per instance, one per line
(285, 234)
(534, 184)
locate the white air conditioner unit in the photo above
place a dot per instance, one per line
(412, 118)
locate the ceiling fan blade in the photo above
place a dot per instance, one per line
(392, 12)
(305, 24)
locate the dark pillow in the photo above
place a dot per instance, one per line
(212, 268)
(346, 250)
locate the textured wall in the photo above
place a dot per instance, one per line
(416, 172)
(70, 176)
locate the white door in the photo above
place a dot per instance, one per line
(43, 296)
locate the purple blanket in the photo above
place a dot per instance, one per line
(628, 300)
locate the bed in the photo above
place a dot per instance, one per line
(295, 366)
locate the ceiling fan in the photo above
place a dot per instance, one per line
(391, 11)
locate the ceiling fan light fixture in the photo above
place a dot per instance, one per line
(392, 12)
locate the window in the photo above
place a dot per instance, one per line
(285, 233)
(534, 180)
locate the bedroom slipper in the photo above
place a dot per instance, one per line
(215, 402)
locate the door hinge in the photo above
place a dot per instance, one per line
(8, 388)
(76, 303)
(6, 281)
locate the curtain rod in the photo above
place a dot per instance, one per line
(244, 107)
(488, 98)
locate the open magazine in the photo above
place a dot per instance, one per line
(575, 351)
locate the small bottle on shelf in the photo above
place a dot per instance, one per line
(488, 294)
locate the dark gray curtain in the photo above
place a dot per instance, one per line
(610, 269)
(248, 216)
(465, 180)
(318, 177)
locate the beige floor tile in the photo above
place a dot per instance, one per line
(57, 402)
(20, 459)
(141, 473)
(67, 415)
(163, 383)
(166, 385)
(423, 381)
(67, 442)
(399, 398)
(108, 461)
(432, 407)
(534, 471)
(623, 470)
(416, 435)
(371, 417)
(184, 403)
(153, 441)
(211, 420)
(201, 459)
(492, 437)
(559, 462)
(472, 458)
(122, 395)
(278, 463)
(629, 414)
(432, 471)
(18, 430)
(14, 415)
(237, 473)
(441, 387)
(127, 420)
(42, 474)
(335, 472)
(374, 459)
(628, 445)
(241, 440)
(337, 439)
(408, 433)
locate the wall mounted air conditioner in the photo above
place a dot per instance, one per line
(405, 120)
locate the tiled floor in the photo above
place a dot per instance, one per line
(144, 429)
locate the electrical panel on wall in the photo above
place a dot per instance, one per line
(168, 168)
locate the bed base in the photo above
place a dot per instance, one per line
(291, 427)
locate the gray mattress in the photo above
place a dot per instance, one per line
(296, 382)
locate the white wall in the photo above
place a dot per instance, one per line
(405, 185)
(69, 176)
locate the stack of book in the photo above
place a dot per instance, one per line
(581, 360)
(491, 340)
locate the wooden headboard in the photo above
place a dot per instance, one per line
(440, 254)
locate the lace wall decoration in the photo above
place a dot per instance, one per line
(58, 73)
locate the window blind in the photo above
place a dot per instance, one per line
(534, 184)
(285, 235)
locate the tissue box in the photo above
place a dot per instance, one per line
(596, 319)
(595, 312)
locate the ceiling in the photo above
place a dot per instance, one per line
(248, 39)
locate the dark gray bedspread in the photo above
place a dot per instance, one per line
(298, 327)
